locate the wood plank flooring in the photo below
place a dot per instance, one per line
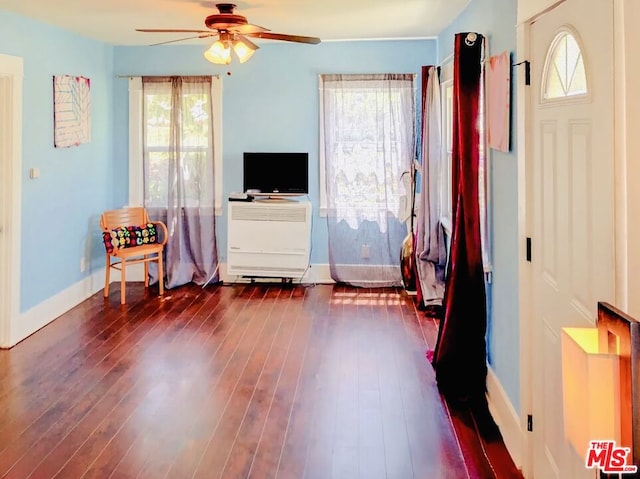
(242, 381)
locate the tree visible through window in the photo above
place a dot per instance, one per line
(189, 141)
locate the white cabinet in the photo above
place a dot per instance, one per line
(268, 238)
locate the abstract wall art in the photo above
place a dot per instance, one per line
(71, 110)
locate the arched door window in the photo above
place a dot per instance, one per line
(564, 74)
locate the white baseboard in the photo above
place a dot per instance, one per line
(39, 316)
(505, 417)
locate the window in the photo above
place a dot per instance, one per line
(367, 142)
(564, 72)
(446, 98)
(153, 107)
(447, 133)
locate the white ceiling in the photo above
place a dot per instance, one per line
(115, 21)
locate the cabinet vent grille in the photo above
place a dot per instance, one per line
(270, 268)
(273, 213)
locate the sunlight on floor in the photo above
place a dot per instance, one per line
(366, 298)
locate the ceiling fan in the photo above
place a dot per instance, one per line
(232, 31)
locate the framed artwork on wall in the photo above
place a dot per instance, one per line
(71, 110)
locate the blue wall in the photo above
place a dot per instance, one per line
(60, 210)
(270, 103)
(496, 19)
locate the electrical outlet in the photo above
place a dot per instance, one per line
(364, 251)
(83, 264)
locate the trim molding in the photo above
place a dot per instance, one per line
(11, 114)
(505, 417)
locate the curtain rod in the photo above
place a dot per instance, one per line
(445, 60)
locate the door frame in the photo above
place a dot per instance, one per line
(627, 150)
(525, 228)
(11, 77)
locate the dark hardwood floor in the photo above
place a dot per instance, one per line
(239, 381)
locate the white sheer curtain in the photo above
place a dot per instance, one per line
(431, 254)
(367, 142)
(179, 173)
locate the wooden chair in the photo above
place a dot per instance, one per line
(124, 256)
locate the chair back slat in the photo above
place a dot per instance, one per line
(124, 217)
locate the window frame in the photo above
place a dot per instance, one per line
(576, 98)
(446, 86)
(136, 175)
(321, 152)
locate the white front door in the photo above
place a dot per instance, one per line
(572, 204)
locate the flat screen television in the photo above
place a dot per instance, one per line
(275, 174)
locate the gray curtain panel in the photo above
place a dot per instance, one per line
(179, 173)
(431, 254)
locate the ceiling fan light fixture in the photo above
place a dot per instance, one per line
(234, 32)
(243, 50)
(219, 53)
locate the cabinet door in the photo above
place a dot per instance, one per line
(268, 239)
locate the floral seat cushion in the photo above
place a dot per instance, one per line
(129, 237)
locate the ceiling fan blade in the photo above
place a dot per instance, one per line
(248, 29)
(211, 34)
(170, 30)
(248, 42)
(286, 38)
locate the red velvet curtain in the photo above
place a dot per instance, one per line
(459, 358)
